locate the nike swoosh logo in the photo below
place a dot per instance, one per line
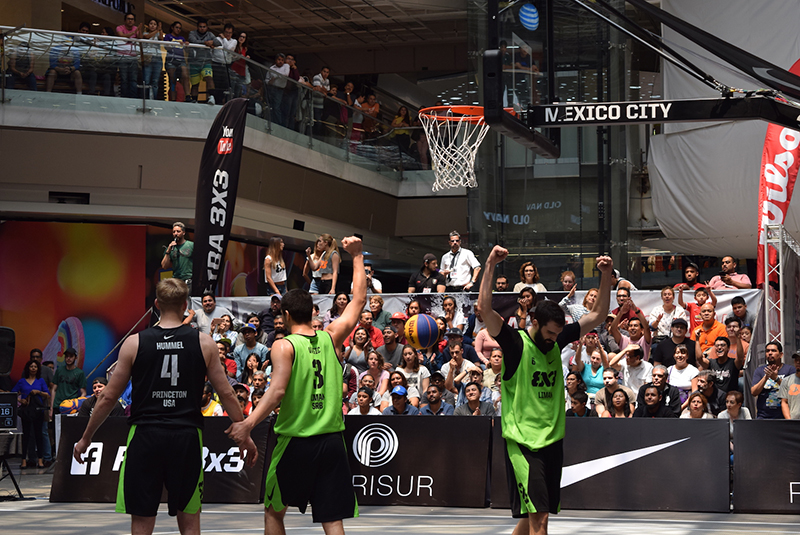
(168, 337)
(578, 472)
(269, 496)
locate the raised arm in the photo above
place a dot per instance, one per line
(680, 297)
(579, 364)
(312, 264)
(449, 380)
(603, 355)
(740, 353)
(344, 324)
(614, 361)
(614, 327)
(701, 356)
(492, 320)
(648, 336)
(190, 317)
(166, 260)
(600, 309)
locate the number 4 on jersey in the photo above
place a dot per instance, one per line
(170, 372)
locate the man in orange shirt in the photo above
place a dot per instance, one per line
(708, 331)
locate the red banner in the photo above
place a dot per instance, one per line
(779, 164)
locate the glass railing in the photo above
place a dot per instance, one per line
(120, 75)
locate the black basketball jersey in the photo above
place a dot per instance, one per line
(168, 377)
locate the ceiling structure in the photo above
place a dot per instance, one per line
(306, 26)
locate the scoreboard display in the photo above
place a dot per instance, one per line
(8, 410)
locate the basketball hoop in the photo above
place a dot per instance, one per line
(454, 135)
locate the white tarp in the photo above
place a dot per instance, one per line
(705, 175)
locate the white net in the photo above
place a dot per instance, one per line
(453, 141)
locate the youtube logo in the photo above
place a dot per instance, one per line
(225, 145)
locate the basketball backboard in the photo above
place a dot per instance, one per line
(516, 70)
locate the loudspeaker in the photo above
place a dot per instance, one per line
(7, 344)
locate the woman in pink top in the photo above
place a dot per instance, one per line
(484, 344)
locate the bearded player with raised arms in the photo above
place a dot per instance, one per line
(532, 390)
(309, 462)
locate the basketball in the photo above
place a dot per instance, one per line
(421, 331)
(71, 406)
(529, 17)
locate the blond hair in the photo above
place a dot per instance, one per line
(171, 294)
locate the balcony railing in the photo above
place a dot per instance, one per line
(151, 73)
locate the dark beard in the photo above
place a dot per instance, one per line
(544, 345)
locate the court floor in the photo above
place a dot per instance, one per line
(38, 515)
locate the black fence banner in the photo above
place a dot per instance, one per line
(440, 461)
(217, 185)
(227, 478)
(766, 466)
(631, 465)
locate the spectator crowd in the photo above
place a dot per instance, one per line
(676, 360)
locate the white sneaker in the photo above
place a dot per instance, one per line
(211, 100)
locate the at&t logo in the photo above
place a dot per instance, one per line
(375, 445)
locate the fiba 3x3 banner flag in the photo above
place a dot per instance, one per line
(217, 185)
(779, 164)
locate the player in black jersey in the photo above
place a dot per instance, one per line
(168, 365)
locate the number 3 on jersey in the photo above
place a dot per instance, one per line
(170, 372)
(318, 379)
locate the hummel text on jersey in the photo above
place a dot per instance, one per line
(178, 344)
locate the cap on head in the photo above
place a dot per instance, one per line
(242, 387)
(692, 265)
(276, 297)
(680, 321)
(399, 316)
(70, 351)
(399, 390)
(455, 331)
(437, 375)
(428, 257)
(247, 327)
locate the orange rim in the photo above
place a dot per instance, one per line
(471, 114)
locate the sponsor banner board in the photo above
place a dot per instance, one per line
(440, 461)
(766, 466)
(227, 478)
(630, 464)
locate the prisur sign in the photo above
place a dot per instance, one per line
(389, 468)
(376, 445)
